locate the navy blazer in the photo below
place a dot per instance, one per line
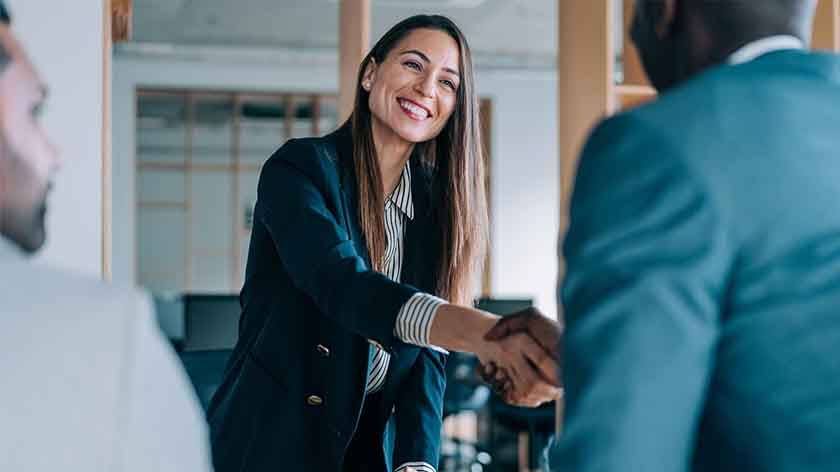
(311, 310)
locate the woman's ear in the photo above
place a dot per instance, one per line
(369, 75)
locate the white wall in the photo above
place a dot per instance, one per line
(65, 41)
(526, 184)
(525, 157)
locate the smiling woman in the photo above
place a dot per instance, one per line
(360, 239)
(416, 87)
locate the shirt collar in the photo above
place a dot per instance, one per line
(401, 197)
(763, 46)
(9, 251)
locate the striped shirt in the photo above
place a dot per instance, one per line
(415, 317)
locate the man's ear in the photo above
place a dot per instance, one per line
(665, 25)
(4, 185)
(369, 75)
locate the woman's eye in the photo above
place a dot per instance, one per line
(449, 84)
(413, 65)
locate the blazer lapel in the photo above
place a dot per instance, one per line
(350, 210)
(349, 197)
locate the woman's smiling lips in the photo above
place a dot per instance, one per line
(414, 110)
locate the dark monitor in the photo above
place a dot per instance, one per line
(211, 322)
(503, 306)
(170, 316)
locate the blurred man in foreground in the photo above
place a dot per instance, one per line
(702, 299)
(88, 383)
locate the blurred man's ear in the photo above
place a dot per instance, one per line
(9, 47)
(665, 24)
(657, 16)
(5, 53)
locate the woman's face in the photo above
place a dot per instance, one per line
(413, 92)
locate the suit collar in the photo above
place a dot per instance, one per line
(760, 47)
(342, 139)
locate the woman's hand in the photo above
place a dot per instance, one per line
(533, 371)
(545, 332)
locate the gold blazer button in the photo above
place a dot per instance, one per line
(314, 400)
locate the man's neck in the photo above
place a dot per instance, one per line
(716, 52)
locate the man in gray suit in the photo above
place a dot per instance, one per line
(702, 299)
(88, 383)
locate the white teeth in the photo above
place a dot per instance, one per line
(414, 109)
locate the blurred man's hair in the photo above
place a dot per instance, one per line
(5, 19)
(737, 19)
(4, 14)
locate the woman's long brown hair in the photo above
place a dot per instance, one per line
(456, 159)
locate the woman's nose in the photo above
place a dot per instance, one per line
(426, 86)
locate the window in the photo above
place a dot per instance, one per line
(199, 156)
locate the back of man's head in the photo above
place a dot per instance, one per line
(679, 38)
(28, 160)
(733, 22)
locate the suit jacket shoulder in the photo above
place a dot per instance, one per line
(317, 158)
(37, 291)
(90, 354)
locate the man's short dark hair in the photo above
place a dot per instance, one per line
(747, 19)
(5, 58)
(4, 14)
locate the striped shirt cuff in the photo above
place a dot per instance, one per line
(414, 321)
(416, 467)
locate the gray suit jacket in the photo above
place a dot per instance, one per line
(703, 290)
(88, 384)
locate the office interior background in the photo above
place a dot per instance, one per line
(197, 94)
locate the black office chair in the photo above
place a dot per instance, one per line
(533, 425)
(464, 392)
(205, 369)
(209, 327)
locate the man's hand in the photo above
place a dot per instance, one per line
(547, 332)
(532, 369)
(529, 373)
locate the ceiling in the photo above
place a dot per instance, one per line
(520, 30)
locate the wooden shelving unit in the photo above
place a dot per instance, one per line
(629, 96)
(827, 26)
(634, 88)
(219, 146)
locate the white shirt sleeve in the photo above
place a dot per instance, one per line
(416, 467)
(163, 426)
(414, 321)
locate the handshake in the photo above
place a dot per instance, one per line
(520, 358)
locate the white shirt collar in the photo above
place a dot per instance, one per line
(763, 46)
(401, 197)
